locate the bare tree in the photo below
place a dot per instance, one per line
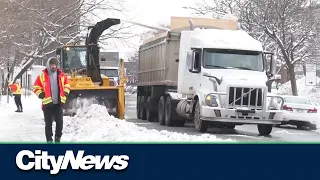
(37, 27)
(285, 26)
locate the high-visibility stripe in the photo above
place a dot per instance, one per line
(67, 90)
(41, 78)
(34, 87)
(63, 99)
(38, 92)
(46, 101)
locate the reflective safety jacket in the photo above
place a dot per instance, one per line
(15, 88)
(42, 85)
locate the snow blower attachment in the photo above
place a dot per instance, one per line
(88, 85)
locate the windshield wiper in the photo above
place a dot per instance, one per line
(216, 66)
(223, 67)
(244, 68)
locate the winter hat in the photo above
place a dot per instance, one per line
(53, 61)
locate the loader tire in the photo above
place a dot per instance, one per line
(265, 129)
(138, 107)
(200, 125)
(161, 111)
(149, 114)
(143, 108)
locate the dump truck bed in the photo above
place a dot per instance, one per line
(158, 55)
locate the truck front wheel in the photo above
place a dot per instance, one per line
(168, 112)
(200, 125)
(265, 129)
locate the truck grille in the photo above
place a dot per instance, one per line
(252, 98)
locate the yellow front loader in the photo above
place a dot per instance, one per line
(88, 85)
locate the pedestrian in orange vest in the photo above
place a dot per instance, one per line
(16, 92)
(53, 88)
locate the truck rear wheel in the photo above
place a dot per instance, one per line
(200, 125)
(149, 114)
(161, 111)
(143, 108)
(138, 107)
(265, 129)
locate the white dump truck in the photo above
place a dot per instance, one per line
(208, 71)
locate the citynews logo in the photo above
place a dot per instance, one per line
(40, 160)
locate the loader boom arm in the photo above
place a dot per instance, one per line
(93, 65)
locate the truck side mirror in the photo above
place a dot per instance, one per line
(273, 65)
(190, 59)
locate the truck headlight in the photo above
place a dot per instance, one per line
(211, 101)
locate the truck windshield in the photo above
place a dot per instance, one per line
(229, 59)
(109, 72)
(74, 58)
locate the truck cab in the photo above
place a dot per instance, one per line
(227, 78)
(112, 73)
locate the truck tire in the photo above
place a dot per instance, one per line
(138, 107)
(168, 112)
(313, 127)
(265, 129)
(143, 108)
(149, 114)
(161, 111)
(200, 125)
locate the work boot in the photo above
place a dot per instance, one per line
(57, 139)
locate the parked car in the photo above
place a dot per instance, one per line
(300, 111)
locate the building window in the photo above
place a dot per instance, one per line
(103, 59)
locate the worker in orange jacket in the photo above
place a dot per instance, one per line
(16, 92)
(53, 88)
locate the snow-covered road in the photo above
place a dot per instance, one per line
(91, 124)
(240, 134)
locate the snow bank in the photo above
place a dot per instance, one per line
(95, 124)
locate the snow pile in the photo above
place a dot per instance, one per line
(95, 124)
(311, 92)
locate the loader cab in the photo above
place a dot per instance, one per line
(72, 58)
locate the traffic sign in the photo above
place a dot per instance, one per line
(311, 75)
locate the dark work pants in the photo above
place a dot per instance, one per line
(17, 100)
(54, 111)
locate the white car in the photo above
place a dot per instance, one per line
(300, 111)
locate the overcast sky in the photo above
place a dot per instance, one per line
(152, 12)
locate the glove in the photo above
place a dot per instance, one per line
(41, 95)
(66, 94)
